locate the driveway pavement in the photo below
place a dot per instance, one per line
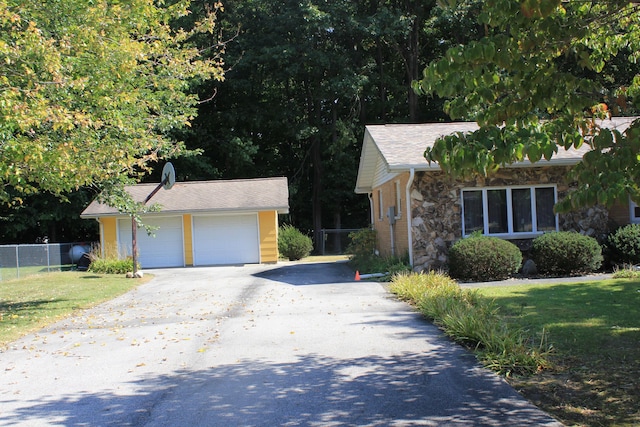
(279, 345)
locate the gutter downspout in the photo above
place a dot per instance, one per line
(372, 218)
(412, 173)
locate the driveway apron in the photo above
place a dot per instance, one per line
(260, 345)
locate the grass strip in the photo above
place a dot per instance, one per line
(31, 303)
(595, 330)
(474, 322)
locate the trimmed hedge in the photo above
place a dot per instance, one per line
(483, 258)
(566, 253)
(624, 244)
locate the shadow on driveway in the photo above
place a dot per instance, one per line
(300, 274)
(343, 392)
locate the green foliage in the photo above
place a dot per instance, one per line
(539, 82)
(472, 321)
(483, 258)
(292, 244)
(566, 253)
(624, 244)
(365, 260)
(92, 91)
(363, 243)
(626, 273)
(111, 265)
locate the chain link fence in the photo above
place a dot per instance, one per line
(335, 241)
(18, 261)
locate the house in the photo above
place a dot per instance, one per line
(417, 209)
(199, 223)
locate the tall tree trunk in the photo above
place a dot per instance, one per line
(413, 70)
(316, 196)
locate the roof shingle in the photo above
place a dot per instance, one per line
(208, 196)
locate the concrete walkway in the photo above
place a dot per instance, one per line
(280, 345)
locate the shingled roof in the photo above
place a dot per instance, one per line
(208, 196)
(398, 148)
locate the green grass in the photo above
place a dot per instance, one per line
(30, 303)
(594, 328)
(12, 273)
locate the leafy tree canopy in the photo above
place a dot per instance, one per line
(537, 82)
(91, 92)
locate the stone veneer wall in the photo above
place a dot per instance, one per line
(436, 210)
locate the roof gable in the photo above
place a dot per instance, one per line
(208, 196)
(401, 148)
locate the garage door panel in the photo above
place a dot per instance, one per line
(226, 239)
(164, 248)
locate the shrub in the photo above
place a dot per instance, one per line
(292, 244)
(363, 244)
(365, 259)
(111, 265)
(566, 253)
(483, 258)
(624, 244)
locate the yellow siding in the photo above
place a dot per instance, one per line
(381, 224)
(109, 238)
(187, 239)
(268, 223)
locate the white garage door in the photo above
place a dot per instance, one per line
(166, 249)
(226, 239)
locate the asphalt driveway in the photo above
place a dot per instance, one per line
(279, 345)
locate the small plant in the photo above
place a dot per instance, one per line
(293, 244)
(483, 258)
(626, 272)
(624, 244)
(363, 243)
(111, 265)
(566, 253)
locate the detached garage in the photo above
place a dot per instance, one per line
(200, 223)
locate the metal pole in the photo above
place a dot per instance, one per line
(17, 262)
(134, 244)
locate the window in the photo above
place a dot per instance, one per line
(634, 212)
(398, 198)
(514, 211)
(380, 206)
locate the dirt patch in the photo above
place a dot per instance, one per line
(602, 392)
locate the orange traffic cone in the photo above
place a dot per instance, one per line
(357, 275)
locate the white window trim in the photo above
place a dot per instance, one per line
(511, 234)
(633, 219)
(398, 194)
(380, 206)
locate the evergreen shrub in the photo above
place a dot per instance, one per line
(624, 245)
(566, 253)
(293, 244)
(483, 258)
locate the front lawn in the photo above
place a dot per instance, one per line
(32, 302)
(594, 328)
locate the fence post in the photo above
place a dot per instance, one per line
(17, 262)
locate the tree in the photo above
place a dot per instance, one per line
(91, 93)
(538, 81)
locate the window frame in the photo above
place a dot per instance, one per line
(380, 206)
(510, 234)
(398, 197)
(633, 219)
